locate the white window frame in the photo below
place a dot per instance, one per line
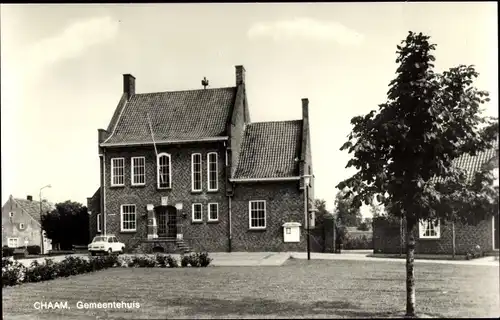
(22, 226)
(9, 242)
(201, 212)
(99, 228)
(164, 154)
(210, 211)
(423, 227)
(113, 167)
(216, 171)
(11, 214)
(133, 173)
(193, 189)
(122, 229)
(250, 215)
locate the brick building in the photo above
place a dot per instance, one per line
(189, 169)
(21, 223)
(389, 234)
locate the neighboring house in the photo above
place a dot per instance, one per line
(189, 168)
(431, 238)
(21, 223)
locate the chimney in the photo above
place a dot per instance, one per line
(305, 108)
(129, 85)
(240, 75)
(29, 198)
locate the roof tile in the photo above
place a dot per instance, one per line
(33, 207)
(175, 115)
(269, 150)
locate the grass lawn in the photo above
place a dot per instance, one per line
(419, 256)
(300, 288)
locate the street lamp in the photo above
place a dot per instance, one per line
(307, 179)
(41, 213)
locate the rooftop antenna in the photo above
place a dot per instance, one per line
(204, 82)
(154, 144)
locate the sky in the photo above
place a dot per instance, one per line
(62, 67)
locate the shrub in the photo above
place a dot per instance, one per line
(362, 242)
(161, 260)
(33, 250)
(13, 272)
(172, 263)
(185, 261)
(48, 270)
(7, 251)
(204, 259)
(143, 262)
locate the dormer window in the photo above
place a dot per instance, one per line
(164, 171)
(21, 226)
(11, 214)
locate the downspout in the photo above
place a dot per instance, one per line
(230, 228)
(104, 190)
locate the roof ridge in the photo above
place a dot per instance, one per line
(186, 90)
(275, 121)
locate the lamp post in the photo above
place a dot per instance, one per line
(307, 179)
(41, 212)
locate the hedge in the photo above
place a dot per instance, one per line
(14, 272)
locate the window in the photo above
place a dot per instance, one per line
(212, 171)
(257, 215)
(11, 214)
(12, 242)
(128, 217)
(98, 222)
(197, 212)
(196, 172)
(21, 226)
(138, 171)
(164, 171)
(213, 211)
(429, 230)
(117, 172)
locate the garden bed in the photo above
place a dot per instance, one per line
(15, 273)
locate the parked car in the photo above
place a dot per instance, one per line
(106, 244)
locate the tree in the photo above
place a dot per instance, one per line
(67, 225)
(346, 213)
(404, 152)
(375, 210)
(320, 205)
(366, 225)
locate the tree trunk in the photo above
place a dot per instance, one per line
(453, 239)
(410, 268)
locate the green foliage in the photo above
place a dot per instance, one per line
(185, 260)
(346, 212)
(143, 262)
(353, 243)
(365, 225)
(196, 260)
(7, 251)
(164, 261)
(429, 120)
(67, 224)
(322, 212)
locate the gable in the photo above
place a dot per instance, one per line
(178, 115)
(270, 150)
(32, 208)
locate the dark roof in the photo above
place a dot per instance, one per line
(270, 150)
(33, 207)
(178, 115)
(474, 164)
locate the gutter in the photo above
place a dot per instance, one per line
(265, 179)
(164, 142)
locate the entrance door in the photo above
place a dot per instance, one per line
(166, 218)
(161, 220)
(495, 232)
(171, 222)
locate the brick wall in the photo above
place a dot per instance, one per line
(213, 235)
(386, 238)
(284, 203)
(94, 206)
